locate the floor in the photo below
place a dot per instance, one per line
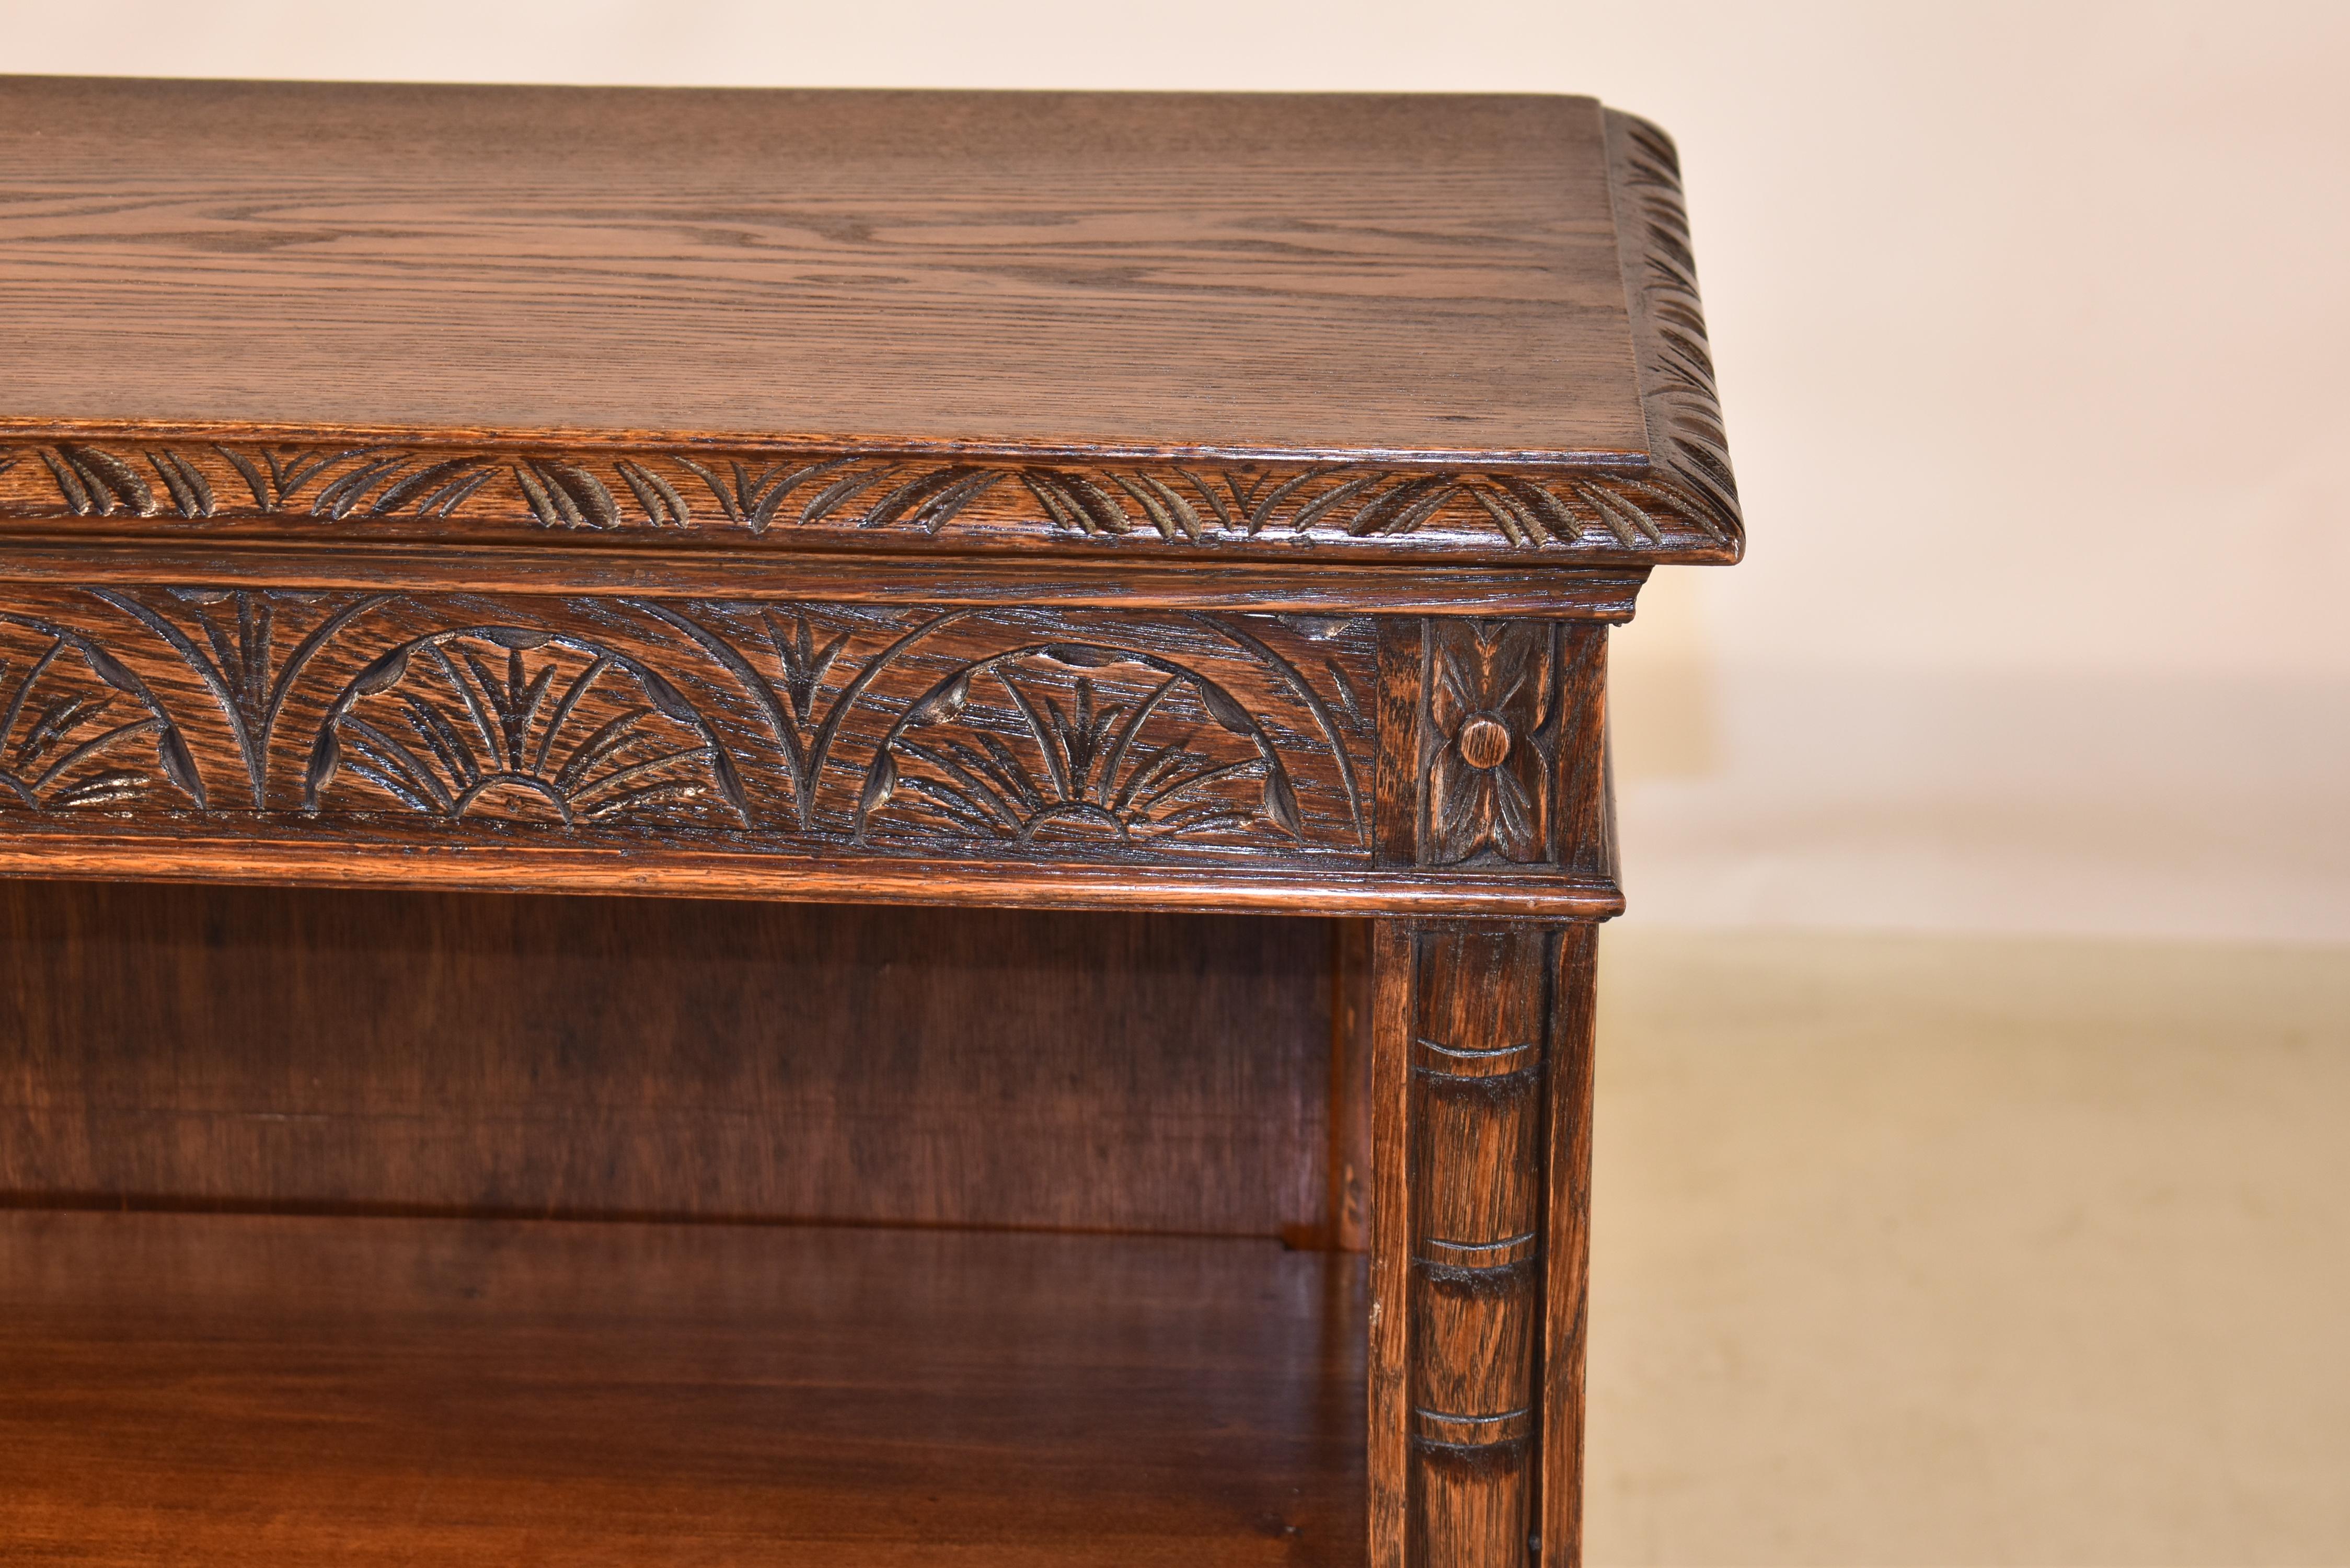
(1971, 1251)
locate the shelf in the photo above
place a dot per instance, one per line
(276, 1390)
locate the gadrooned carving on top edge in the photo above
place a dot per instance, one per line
(1676, 363)
(412, 492)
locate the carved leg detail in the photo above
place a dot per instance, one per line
(1481, 1078)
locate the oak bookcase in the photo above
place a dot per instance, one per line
(812, 826)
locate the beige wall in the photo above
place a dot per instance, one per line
(2030, 322)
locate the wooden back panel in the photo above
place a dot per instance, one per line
(481, 1054)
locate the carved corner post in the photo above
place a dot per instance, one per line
(1481, 1241)
(1481, 1076)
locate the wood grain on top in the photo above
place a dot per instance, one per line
(1304, 275)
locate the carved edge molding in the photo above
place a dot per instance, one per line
(421, 489)
(1677, 387)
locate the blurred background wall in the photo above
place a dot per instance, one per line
(2031, 327)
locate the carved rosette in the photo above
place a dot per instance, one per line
(1488, 728)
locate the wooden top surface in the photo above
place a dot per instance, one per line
(1319, 275)
(1419, 283)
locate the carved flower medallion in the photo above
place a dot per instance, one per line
(1490, 692)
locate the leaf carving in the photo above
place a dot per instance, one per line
(1119, 728)
(880, 785)
(1281, 802)
(1486, 738)
(114, 475)
(69, 737)
(1097, 740)
(96, 482)
(663, 505)
(1670, 333)
(264, 495)
(191, 493)
(566, 495)
(436, 488)
(667, 698)
(383, 674)
(943, 701)
(345, 495)
(108, 669)
(1082, 656)
(1223, 709)
(326, 762)
(172, 754)
(730, 783)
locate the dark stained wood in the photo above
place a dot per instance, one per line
(1652, 234)
(1046, 325)
(1492, 697)
(365, 487)
(667, 734)
(1481, 1095)
(1474, 1154)
(1493, 750)
(595, 1056)
(1348, 1208)
(1302, 584)
(1566, 1243)
(1583, 837)
(1397, 717)
(344, 860)
(288, 1391)
(1087, 501)
(1143, 272)
(1389, 1447)
(646, 724)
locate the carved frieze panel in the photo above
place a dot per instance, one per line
(748, 724)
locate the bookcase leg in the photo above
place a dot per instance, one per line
(1482, 1136)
